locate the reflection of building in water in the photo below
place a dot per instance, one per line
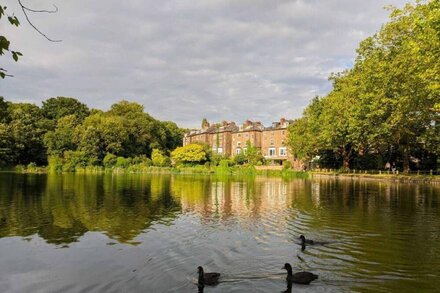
(316, 193)
(228, 198)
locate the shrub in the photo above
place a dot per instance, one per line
(55, 164)
(75, 159)
(109, 160)
(191, 153)
(122, 162)
(159, 159)
(287, 164)
(240, 159)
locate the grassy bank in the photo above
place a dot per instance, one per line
(239, 170)
(401, 177)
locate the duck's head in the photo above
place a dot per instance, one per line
(303, 238)
(287, 266)
(199, 269)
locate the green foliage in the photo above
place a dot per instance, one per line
(287, 165)
(4, 111)
(109, 160)
(100, 134)
(61, 139)
(385, 107)
(4, 42)
(189, 154)
(55, 164)
(122, 162)
(253, 155)
(59, 107)
(27, 129)
(64, 128)
(74, 160)
(159, 159)
(240, 159)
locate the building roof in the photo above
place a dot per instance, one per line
(229, 126)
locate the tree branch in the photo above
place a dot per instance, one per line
(25, 9)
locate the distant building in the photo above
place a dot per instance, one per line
(229, 139)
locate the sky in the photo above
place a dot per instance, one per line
(184, 59)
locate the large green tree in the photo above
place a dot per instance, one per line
(56, 108)
(386, 106)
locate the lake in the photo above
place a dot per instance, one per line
(148, 233)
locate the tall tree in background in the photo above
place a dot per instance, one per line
(387, 104)
(59, 107)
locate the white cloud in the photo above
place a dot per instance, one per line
(185, 60)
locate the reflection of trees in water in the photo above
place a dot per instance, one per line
(388, 223)
(61, 208)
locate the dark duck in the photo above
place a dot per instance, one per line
(305, 241)
(209, 279)
(299, 278)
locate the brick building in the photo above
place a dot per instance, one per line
(229, 139)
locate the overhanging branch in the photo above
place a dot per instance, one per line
(26, 9)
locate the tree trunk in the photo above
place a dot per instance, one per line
(405, 153)
(346, 158)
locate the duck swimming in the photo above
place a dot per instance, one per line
(300, 278)
(207, 278)
(305, 241)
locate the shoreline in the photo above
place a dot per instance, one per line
(397, 178)
(248, 171)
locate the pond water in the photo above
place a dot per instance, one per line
(148, 233)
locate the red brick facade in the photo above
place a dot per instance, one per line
(229, 139)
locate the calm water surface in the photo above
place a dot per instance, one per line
(148, 233)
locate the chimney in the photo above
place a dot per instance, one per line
(247, 123)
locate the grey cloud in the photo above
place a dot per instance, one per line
(185, 60)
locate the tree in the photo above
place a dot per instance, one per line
(189, 154)
(61, 139)
(28, 127)
(100, 134)
(59, 107)
(205, 123)
(143, 131)
(253, 155)
(159, 159)
(386, 106)
(4, 111)
(173, 135)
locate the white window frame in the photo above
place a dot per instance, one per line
(238, 151)
(270, 150)
(220, 150)
(282, 152)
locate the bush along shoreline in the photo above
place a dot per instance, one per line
(129, 166)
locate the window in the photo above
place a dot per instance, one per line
(239, 135)
(239, 144)
(244, 151)
(238, 151)
(272, 142)
(282, 132)
(272, 152)
(220, 150)
(283, 152)
(247, 135)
